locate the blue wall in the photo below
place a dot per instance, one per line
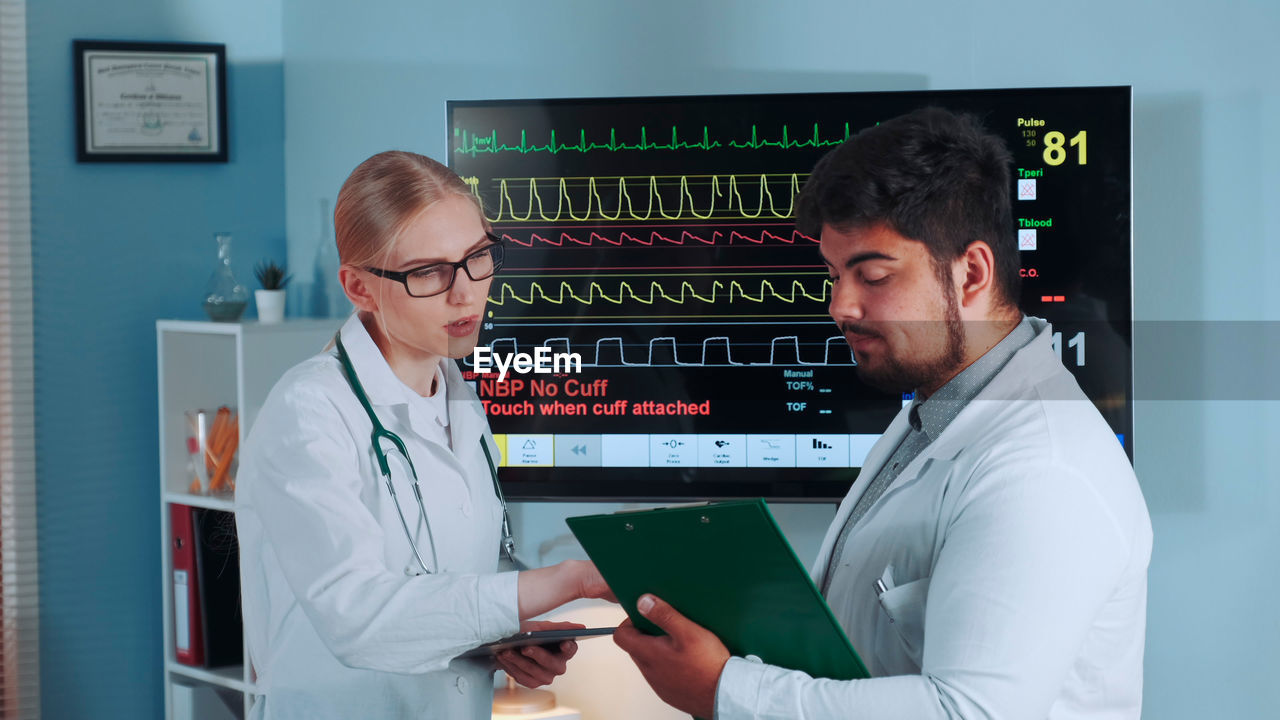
(115, 247)
(1206, 171)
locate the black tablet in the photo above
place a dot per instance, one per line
(549, 638)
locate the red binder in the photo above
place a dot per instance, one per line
(188, 638)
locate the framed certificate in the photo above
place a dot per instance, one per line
(150, 102)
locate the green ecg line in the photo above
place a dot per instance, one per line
(477, 144)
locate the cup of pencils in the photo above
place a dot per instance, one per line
(212, 441)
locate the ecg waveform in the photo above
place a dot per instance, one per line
(656, 238)
(734, 291)
(711, 352)
(722, 196)
(474, 144)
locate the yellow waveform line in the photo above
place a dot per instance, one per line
(564, 206)
(658, 292)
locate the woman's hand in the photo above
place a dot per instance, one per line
(535, 665)
(544, 589)
(590, 583)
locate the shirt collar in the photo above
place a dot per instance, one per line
(438, 405)
(381, 384)
(932, 415)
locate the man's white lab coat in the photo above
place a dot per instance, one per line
(335, 626)
(1015, 549)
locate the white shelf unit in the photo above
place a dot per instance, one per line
(203, 365)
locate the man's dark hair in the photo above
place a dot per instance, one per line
(931, 175)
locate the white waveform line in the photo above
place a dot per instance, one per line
(792, 342)
(795, 342)
(842, 344)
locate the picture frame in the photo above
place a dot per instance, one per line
(150, 101)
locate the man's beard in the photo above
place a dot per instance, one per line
(899, 375)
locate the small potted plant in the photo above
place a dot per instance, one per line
(270, 298)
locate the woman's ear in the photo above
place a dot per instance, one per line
(355, 284)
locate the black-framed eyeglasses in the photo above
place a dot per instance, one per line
(436, 278)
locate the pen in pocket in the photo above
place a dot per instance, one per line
(881, 588)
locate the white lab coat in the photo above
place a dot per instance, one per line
(335, 626)
(1015, 548)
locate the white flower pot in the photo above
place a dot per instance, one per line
(270, 305)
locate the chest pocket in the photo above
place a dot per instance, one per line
(899, 637)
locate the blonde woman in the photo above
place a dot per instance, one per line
(355, 604)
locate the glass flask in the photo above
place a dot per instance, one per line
(224, 298)
(328, 300)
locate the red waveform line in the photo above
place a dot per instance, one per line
(647, 225)
(625, 236)
(685, 237)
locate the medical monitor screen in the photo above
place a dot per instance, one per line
(660, 327)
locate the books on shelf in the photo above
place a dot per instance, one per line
(206, 587)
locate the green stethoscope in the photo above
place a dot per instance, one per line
(380, 433)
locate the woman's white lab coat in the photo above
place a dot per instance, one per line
(335, 626)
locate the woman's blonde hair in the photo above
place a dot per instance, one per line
(383, 195)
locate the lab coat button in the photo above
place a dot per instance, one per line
(462, 684)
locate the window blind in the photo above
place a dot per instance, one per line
(19, 611)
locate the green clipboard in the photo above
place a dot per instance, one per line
(727, 567)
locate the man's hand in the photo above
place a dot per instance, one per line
(534, 665)
(683, 667)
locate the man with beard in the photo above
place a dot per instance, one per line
(991, 560)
